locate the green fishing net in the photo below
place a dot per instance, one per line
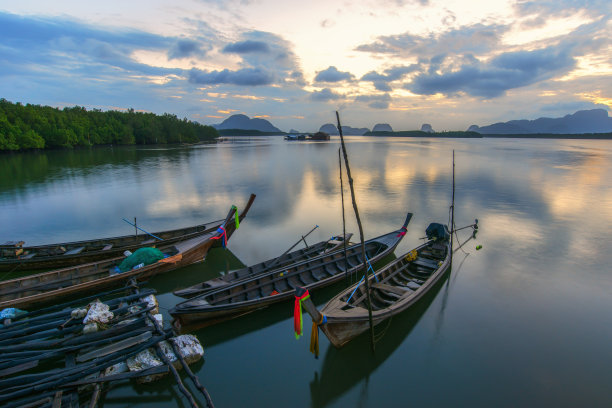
(146, 256)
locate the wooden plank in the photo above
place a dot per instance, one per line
(116, 377)
(389, 288)
(112, 348)
(75, 251)
(18, 368)
(427, 263)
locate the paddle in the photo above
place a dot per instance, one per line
(137, 227)
(280, 258)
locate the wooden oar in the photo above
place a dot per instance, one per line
(280, 258)
(146, 232)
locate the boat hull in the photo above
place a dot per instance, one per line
(48, 287)
(52, 257)
(268, 266)
(345, 323)
(258, 292)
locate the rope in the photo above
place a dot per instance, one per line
(378, 337)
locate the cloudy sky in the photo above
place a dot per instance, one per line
(450, 63)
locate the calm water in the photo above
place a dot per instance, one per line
(526, 321)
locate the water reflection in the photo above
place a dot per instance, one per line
(545, 210)
(342, 371)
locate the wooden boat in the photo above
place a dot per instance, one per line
(260, 291)
(35, 290)
(393, 289)
(320, 136)
(265, 267)
(14, 256)
(338, 369)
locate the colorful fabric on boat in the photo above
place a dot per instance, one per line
(411, 256)
(223, 236)
(236, 216)
(297, 314)
(314, 335)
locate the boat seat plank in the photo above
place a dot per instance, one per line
(107, 247)
(147, 242)
(29, 256)
(412, 285)
(425, 263)
(75, 251)
(389, 288)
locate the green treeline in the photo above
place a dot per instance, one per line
(28, 126)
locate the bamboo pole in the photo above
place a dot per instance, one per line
(452, 211)
(346, 278)
(184, 364)
(365, 265)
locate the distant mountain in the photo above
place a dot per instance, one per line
(584, 121)
(382, 127)
(346, 130)
(246, 123)
(426, 127)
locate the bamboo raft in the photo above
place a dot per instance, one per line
(261, 291)
(43, 288)
(15, 256)
(64, 354)
(262, 268)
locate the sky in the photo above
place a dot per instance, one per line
(448, 63)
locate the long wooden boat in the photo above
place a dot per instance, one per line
(42, 288)
(14, 256)
(393, 289)
(263, 290)
(265, 267)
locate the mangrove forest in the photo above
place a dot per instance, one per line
(25, 127)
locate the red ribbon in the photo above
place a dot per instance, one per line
(297, 314)
(223, 234)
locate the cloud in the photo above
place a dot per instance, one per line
(375, 101)
(327, 23)
(245, 47)
(506, 71)
(245, 76)
(185, 48)
(381, 81)
(332, 74)
(562, 8)
(267, 52)
(324, 95)
(68, 47)
(475, 39)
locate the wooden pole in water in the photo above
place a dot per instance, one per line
(453, 209)
(346, 279)
(363, 251)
